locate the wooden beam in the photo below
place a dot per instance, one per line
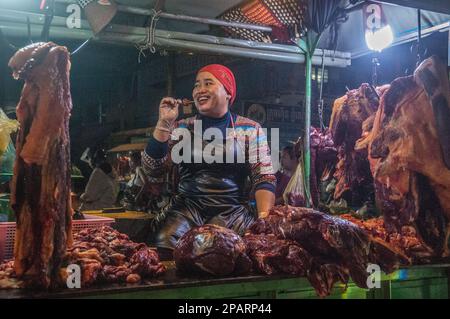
(441, 6)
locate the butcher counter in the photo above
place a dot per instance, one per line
(427, 281)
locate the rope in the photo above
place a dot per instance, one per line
(149, 42)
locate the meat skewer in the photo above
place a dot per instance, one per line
(187, 102)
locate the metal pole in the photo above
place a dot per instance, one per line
(181, 17)
(306, 138)
(139, 33)
(209, 44)
(170, 74)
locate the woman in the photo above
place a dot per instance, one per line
(101, 189)
(210, 193)
(289, 164)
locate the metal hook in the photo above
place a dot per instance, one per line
(80, 47)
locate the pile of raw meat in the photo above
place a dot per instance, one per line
(291, 240)
(104, 256)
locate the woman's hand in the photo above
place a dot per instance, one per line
(168, 109)
(265, 200)
(263, 214)
(168, 113)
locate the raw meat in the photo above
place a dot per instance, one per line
(40, 190)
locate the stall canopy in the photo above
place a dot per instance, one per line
(131, 25)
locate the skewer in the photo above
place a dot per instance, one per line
(187, 102)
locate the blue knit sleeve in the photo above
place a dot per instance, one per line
(265, 185)
(156, 149)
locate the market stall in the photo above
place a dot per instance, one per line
(386, 149)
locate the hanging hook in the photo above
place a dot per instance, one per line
(49, 14)
(29, 30)
(80, 47)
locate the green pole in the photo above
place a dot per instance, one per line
(306, 139)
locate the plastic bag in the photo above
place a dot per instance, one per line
(7, 162)
(7, 126)
(295, 192)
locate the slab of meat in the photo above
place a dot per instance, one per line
(354, 180)
(271, 255)
(405, 240)
(211, 249)
(323, 160)
(338, 248)
(40, 190)
(409, 147)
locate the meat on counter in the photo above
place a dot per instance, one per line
(338, 248)
(211, 249)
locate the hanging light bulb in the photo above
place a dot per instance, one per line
(379, 39)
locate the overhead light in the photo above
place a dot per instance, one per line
(379, 39)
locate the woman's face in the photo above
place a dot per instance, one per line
(287, 162)
(210, 96)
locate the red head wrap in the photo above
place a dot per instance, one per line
(225, 76)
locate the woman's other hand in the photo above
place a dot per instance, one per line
(168, 113)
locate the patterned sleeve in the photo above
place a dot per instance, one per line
(156, 160)
(262, 174)
(155, 168)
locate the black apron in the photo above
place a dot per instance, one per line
(208, 193)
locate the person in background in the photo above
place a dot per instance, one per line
(288, 163)
(136, 194)
(138, 178)
(101, 189)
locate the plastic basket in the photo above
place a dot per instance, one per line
(8, 232)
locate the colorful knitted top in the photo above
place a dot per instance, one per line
(156, 159)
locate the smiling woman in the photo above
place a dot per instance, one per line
(210, 193)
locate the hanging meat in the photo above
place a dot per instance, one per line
(339, 249)
(354, 179)
(410, 154)
(323, 160)
(40, 190)
(211, 249)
